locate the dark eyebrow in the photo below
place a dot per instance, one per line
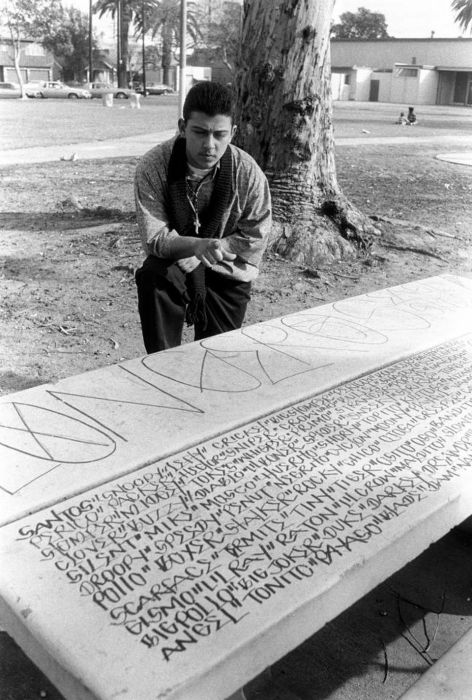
(202, 129)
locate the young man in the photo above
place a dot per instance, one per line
(204, 215)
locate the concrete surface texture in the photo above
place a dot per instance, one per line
(57, 440)
(464, 158)
(450, 678)
(373, 651)
(300, 462)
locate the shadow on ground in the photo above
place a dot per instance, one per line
(64, 221)
(377, 648)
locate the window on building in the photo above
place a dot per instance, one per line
(347, 79)
(406, 72)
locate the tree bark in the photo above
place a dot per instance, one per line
(284, 118)
(166, 62)
(16, 46)
(123, 67)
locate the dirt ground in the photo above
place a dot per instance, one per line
(69, 248)
(68, 251)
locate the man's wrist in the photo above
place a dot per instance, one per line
(182, 247)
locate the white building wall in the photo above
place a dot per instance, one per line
(385, 86)
(337, 86)
(362, 78)
(352, 87)
(404, 89)
(421, 89)
(428, 87)
(427, 56)
(192, 75)
(383, 53)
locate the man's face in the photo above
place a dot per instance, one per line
(207, 138)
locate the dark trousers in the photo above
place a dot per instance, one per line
(163, 298)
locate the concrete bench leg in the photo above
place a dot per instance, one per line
(466, 526)
(450, 678)
(264, 677)
(238, 695)
(263, 685)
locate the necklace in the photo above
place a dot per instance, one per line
(192, 196)
(193, 188)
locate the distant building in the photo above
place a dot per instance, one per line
(407, 71)
(36, 62)
(103, 68)
(213, 7)
(219, 71)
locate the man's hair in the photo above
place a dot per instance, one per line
(210, 98)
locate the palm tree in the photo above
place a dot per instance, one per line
(463, 10)
(130, 10)
(162, 19)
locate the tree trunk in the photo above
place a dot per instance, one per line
(16, 46)
(123, 67)
(284, 119)
(166, 53)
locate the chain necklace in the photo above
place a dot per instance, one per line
(192, 196)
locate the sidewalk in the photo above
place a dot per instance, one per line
(115, 148)
(138, 145)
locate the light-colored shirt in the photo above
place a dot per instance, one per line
(250, 205)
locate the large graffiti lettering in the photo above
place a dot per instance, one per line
(138, 410)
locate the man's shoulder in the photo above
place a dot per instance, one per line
(244, 160)
(158, 156)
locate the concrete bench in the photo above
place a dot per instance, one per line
(173, 525)
(450, 678)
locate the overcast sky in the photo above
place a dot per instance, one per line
(405, 18)
(409, 18)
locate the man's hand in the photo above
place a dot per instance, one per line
(188, 264)
(210, 251)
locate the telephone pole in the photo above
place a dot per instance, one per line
(90, 70)
(119, 59)
(143, 12)
(183, 54)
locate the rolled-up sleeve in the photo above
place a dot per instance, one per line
(150, 196)
(252, 230)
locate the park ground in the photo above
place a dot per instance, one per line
(68, 251)
(69, 243)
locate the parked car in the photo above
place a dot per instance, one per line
(33, 89)
(10, 90)
(156, 89)
(55, 88)
(99, 89)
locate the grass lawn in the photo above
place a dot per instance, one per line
(353, 119)
(54, 122)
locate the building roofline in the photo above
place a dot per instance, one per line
(454, 69)
(396, 40)
(402, 64)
